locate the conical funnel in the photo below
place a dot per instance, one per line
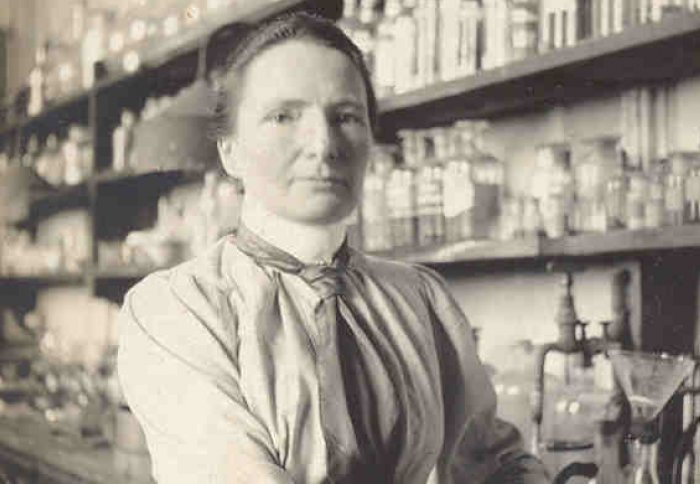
(649, 380)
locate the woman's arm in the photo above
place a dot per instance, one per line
(478, 446)
(181, 383)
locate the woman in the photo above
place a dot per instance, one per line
(281, 355)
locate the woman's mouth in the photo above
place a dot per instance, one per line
(323, 182)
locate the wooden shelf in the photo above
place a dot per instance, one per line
(177, 175)
(622, 242)
(46, 203)
(587, 69)
(43, 279)
(56, 111)
(469, 251)
(123, 274)
(11, 352)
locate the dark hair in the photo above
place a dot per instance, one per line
(293, 26)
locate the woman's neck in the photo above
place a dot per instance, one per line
(309, 243)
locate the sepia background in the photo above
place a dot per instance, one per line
(542, 155)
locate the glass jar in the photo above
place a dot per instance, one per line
(458, 190)
(595, 163)
(675, 195)
(655, 208)
(429, 190)
(376, 225)
(401, 205)
(637, 197)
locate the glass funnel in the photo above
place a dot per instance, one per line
(649, 380)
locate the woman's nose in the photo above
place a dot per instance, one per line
(320, 137)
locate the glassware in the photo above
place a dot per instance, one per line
(401, 205)
(376, 230)
(386, 49)
(595, 162)
(675, 195)
(655, 208)
(553, 187)
(648, 382)
(93, 49)
(429, 191)
(37, 82)
(524, 28)
(692, 191)
(122, 141)
(636, 200)
(406, 49)
(470, 27)
(616, 192)
(496, 25)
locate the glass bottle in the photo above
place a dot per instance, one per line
(487, 177)
(458, 189)
(52, 161)
(675, 198)
(93, 49)
(401, 204)
(405, 49)
(385, 51)
(376, 229)
(524, 28)
(553, 187)
(429, 191)
(496, 25)
(469, 47)
(31, 153)
(37, 83)
(692, 192)
(364, 33)
(655, 207)
(122, 141)
(595, 166)
(636, 200)
(77, 153)
(426, 15)
(616, 191)
(449, 39)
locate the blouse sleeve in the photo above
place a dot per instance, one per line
(180, 379)
(478, 446)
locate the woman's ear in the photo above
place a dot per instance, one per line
(227, 152)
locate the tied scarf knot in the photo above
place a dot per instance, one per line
(323, 278)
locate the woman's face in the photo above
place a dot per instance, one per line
(302, 133)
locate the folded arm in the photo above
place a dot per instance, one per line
(182, 386)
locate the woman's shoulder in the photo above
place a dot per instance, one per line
(400, 272)
(192, 293)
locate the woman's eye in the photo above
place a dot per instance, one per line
(282, 117)
(348, 117)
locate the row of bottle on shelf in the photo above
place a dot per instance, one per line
(58, 161)
(64, 253)
(68, 160)
(66, 57)
(442, 185)
(189, 218)
(410, 44)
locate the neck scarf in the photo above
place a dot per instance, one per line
(337, 355)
